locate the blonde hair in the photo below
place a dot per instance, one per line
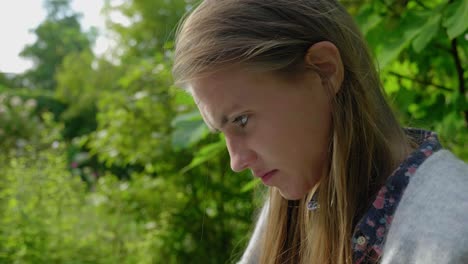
(274, 36)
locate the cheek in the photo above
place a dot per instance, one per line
(317, 119)
(308, 138)
(276, 143)
(268, 142)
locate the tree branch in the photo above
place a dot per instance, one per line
(421, 81)
(390, 8)
(441, 47)
(421, 4)
(460, 71)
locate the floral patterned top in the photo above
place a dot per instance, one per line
(369, 235)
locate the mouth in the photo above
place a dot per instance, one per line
(267, 176)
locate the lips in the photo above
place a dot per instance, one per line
(265, 177)
(260, 174)
(266, 174)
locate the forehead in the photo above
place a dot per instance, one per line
(229, 76)
(220, 94)
(230, 84)
(226, 93)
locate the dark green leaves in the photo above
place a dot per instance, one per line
(188, 129)
(456, 18)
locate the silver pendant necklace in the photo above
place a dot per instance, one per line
(313, 204)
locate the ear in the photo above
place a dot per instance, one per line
(325, 57)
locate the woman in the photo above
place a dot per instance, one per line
(292, 86)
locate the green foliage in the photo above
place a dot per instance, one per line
(455, 22)
(136, 116)
(59, 35)
(21, 123)
(79, 86)
(17, 121)
(189, 129)
(153, 25)
(6, 81)
(112, 164)
(419, 64)
(37, 198)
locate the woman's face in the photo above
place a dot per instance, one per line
(277, 128)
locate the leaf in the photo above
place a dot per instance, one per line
(455, 18)
(404, 98)
(189, 129)
(181, 97)
(448, 125)
(367, 18)
(395, 36)
(191, 116)
(428, 31)
(460, 103)
(250, 185)
(205, 154)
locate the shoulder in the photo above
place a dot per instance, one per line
(252, 252)
(431, 221)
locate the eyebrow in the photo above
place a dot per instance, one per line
(223, 121)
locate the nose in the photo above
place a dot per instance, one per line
(241, 155)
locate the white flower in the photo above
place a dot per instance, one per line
(140, 95)
(123, 186)
(21, 143)
(31, 103)
(158, 69)
(15, 101)
(55, 144)
(150, 225)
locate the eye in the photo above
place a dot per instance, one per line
(241, 120)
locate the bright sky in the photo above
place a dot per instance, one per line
(17, 17)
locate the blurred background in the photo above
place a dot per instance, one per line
(103, 160)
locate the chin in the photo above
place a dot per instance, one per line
(293, 196)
